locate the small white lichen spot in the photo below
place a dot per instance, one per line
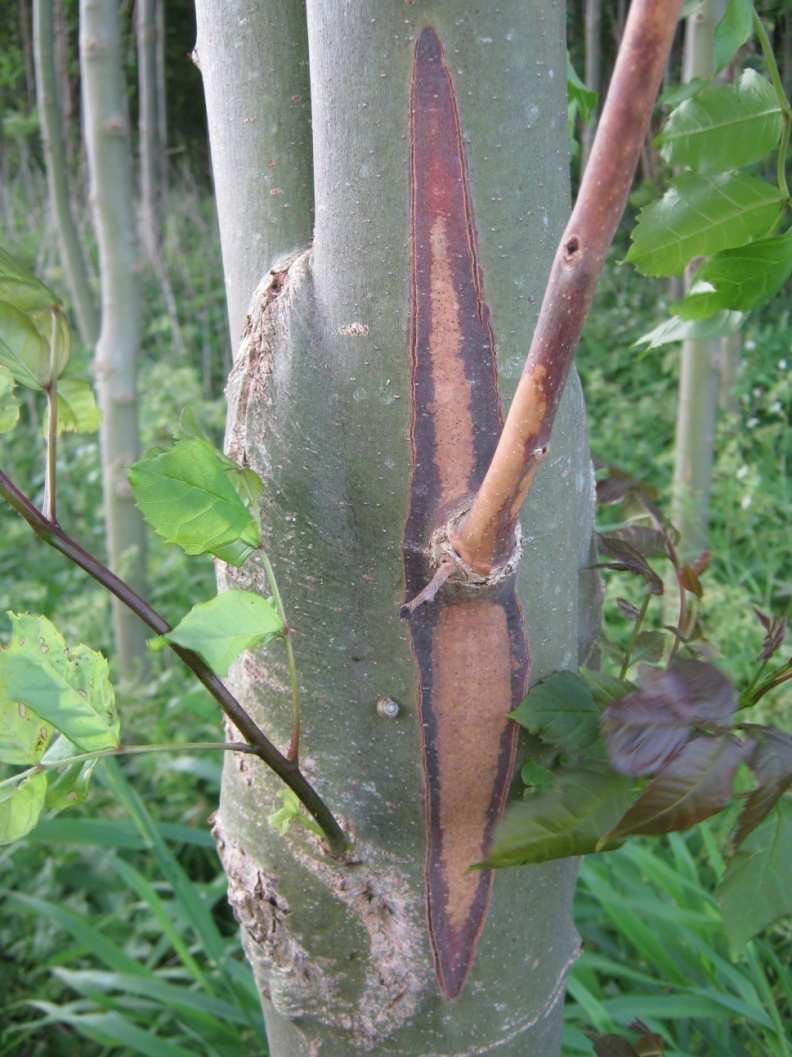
(354, 330)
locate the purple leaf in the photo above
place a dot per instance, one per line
(645, 729)
(696, 783)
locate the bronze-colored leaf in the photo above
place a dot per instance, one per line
(644, 730)
(771, 763)
(696, 784)
(775, 632)
(688, 578)
(627, 559)
(612, 1046)
(646, 540)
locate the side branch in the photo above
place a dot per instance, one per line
(485, 538)
(286, 769)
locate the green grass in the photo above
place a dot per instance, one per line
(118, 938)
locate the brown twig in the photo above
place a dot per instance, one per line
(287, 770)
(485, 538)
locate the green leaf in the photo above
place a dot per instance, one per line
(20, 807)
(676, 329)
(221, 629)
(24, 736)
(605, 688)
(700, 215)
(696, 784)
(562, 712)
(9, 408)
(53, 328)
(582, 98)
(569, 819)
(189, 497)
(292, 811)
(733, 30)
(741, 278)
(77, 409)
(21, 288)
(68, 688)
(678, 93)
(22, 349)
(755, 889)
(536, 776)
(724, 126)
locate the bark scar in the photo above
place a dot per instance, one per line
(470, 649)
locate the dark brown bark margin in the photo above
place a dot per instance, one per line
(485, 538)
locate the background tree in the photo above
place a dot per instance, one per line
(148, 24)
(52, 119)
(109, 162)
(697, 403)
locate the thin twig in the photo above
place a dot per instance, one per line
(288, 771)
(50, 477)
(128, 750)
(293, 752)
(485, 537)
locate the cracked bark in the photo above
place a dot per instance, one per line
(321, 404)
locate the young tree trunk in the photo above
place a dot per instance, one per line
(697, 400)
(148, 126)
(110, 167)
(366, 392)
(51, 119)
(593, 34)
(162, 104)
(26, 40)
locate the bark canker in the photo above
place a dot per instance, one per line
(471, 652)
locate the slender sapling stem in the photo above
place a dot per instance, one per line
(286, 769)
(293, 752)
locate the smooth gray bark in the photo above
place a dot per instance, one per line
(110, 167)
(148, 126)
(162, 102)
(697, 400)
(51, 119)
(320, 405)
(593, 36)
(253, 58)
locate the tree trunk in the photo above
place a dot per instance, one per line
(110, 168)
(365, 391)
(697, 401)
(258, 105)
(162, 104)
(593, 32)
(26, 41)
(148, 126)
(51, 119)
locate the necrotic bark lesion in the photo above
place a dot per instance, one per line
(470, 649)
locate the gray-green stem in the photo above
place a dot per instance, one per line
(783, 102)
(293, 752)
(128, 750)
(53, 535)
(50, 496)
